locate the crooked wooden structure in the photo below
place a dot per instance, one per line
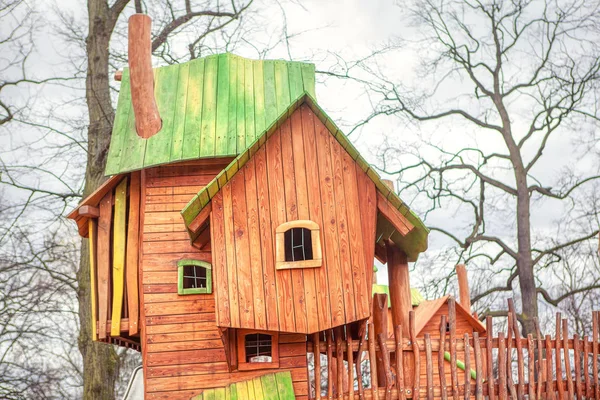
(235, 237)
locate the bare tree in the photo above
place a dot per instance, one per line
(519, 75)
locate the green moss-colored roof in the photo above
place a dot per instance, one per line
(412, 244)
(415, 296)
(210, 107)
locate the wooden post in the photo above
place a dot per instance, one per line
(372, 357)
(399, 281)
(380, 322)
(141, 76)
(317, 354)
(463, 287)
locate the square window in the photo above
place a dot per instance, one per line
(194, 277)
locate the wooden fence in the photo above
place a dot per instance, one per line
(494, 367)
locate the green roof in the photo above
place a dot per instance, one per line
(416, 297)
(413, 243)
(210, 107)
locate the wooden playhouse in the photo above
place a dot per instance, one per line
(237, 227)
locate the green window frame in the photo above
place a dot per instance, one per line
(180, 271)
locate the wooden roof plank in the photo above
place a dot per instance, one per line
(180, 113)
(209, 106)
(120, 125)
(158, 147)
(193, 111)
(225, 80)
(237, 139)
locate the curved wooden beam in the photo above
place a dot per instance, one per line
(141, 76)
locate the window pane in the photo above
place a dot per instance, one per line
(194, 277)
(298, 244)
(258, 347)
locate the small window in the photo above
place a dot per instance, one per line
(298, 245)
(259, 347)
(257, 350)
(195, 277)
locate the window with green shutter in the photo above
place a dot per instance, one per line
(195, 277)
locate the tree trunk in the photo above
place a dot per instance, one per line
(524, 260)
(100, 361)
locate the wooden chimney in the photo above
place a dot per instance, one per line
(141, 76)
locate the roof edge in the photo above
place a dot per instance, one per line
(418, 236)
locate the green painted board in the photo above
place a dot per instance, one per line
(238, 139)
(284, 385)
(210, 107)
(193, 111)
(269, 386)
(180, 107)
(225, 79)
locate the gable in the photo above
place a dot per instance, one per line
(300, 173)
(412, 243)
(210, 107)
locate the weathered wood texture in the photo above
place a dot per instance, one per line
(302, 172)
(114, 255)
(184, 350)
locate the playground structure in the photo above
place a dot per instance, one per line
(234, 241)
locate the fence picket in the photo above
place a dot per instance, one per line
(362, 331)
(453, 371)
(530, 366)
(568, 373)
(416, 356)
(350, 356)
(586, 370)
(557, 340)
(467, 367)
(549, 381)
(490, 359)
(540, 357)
(595, 344)
(509, 372)
(501, 367)
(399, 363)
(385, 357)
(441, 361)
(317, 369)
(577, 365)
(328, 340)
(428, 367)
(478, 369)
(373, 362)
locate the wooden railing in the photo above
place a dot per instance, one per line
(506, 366)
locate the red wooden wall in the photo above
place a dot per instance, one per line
(301, 172)
(181, 345)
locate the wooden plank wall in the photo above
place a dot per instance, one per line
(301, 172)
(183, 349)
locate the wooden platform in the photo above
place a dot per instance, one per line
(277, 386)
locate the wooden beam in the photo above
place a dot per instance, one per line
(118, 267)
(399, 281)
(380, 322)
(89, 211)
(463, 287)
(395, 217)
(380, 253)
(132, 265)
(201, 219)
(141, 76)
(203, 239)
(93, 234)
